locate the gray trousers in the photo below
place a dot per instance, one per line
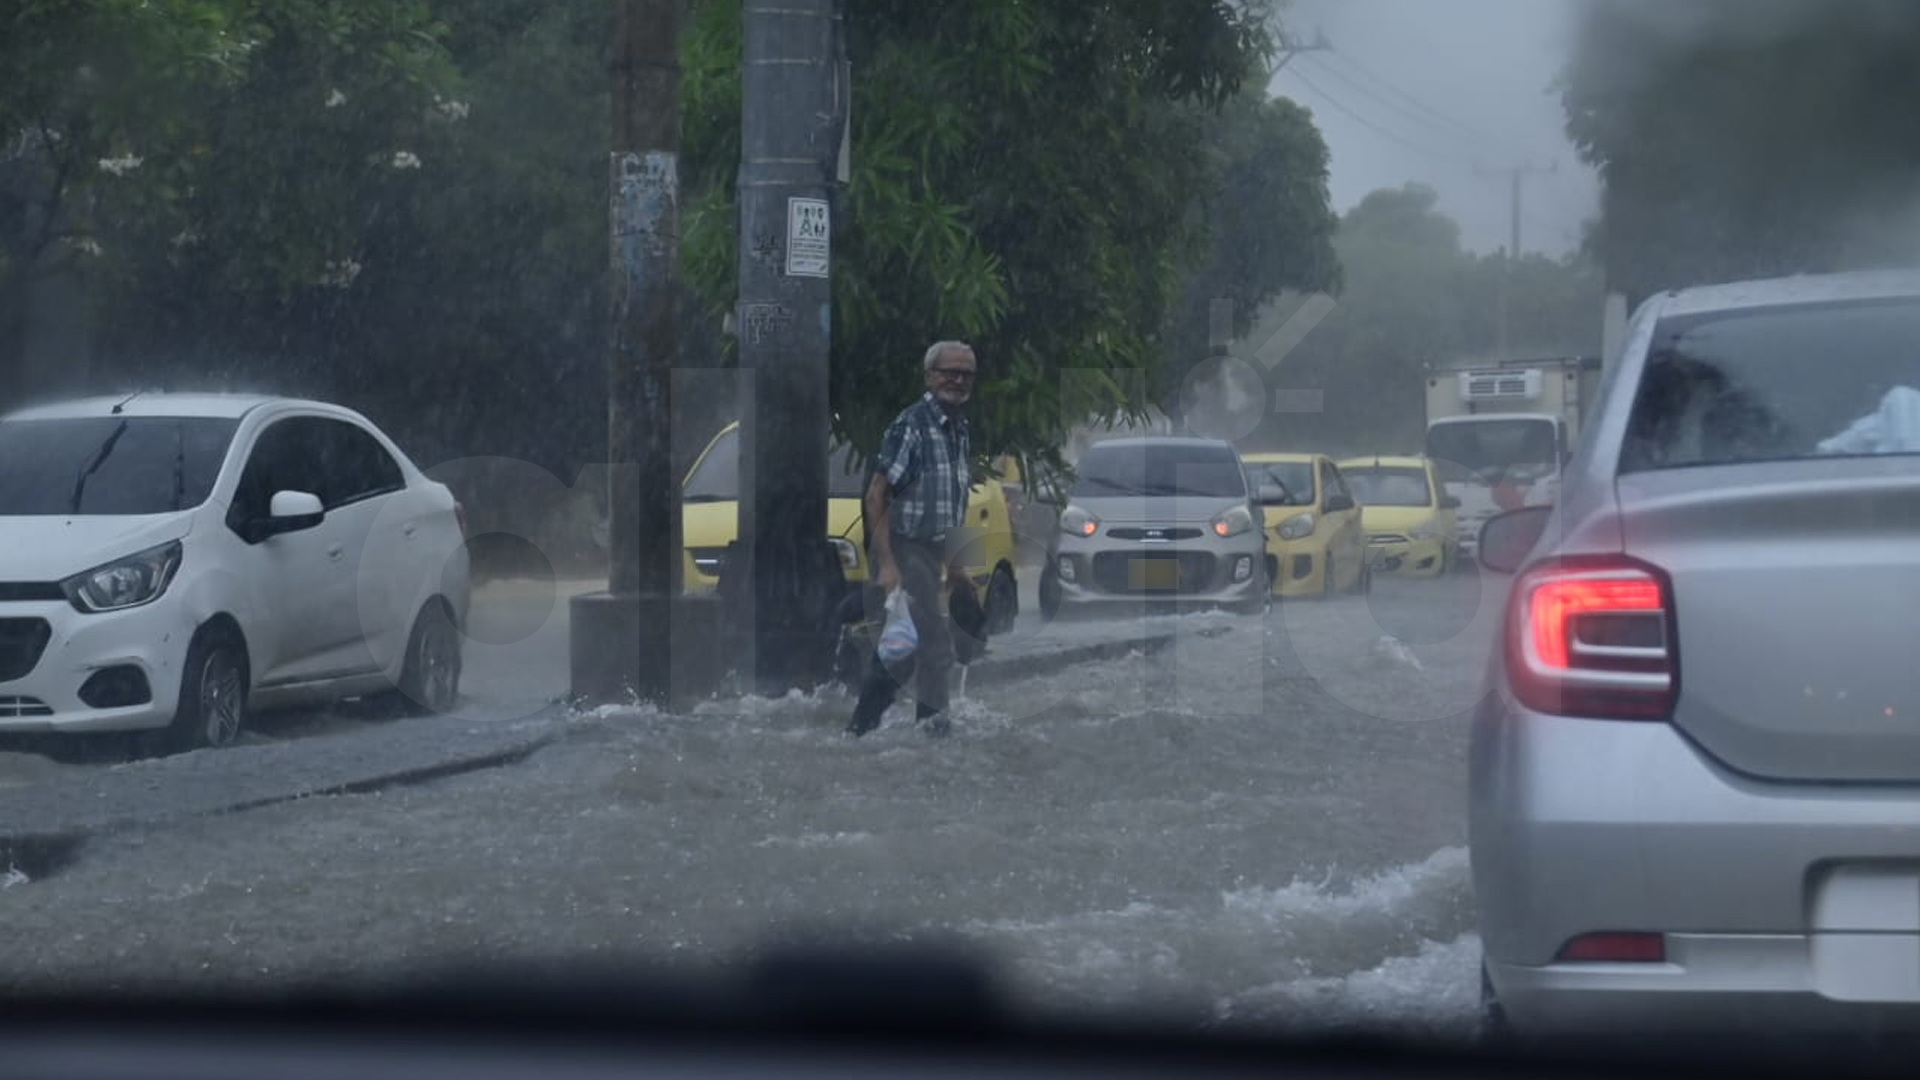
(923, 576)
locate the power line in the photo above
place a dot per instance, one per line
(1434, 114)
(1376, 97)
(1341, 107)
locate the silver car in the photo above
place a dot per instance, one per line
(1158, 520)
(1695, 779)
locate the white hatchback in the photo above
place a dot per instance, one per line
(172, 561)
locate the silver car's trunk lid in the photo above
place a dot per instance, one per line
(1796, 595)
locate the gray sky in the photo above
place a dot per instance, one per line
(1445, 92)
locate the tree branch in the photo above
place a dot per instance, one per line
(62, 172)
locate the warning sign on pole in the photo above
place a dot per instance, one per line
(808, 231)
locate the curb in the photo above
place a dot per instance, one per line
(44, 823)
(991, 670)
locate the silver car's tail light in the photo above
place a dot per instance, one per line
(1593, 640)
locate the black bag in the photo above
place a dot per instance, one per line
(969, 625)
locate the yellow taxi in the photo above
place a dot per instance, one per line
(710, 518)
(1411, 521)
(1315, 543)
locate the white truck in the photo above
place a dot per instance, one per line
(1502, 432)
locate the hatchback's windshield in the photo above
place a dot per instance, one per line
(1148, 469)
(1809, 381)
(109, 465)
(1493, 450)
(717, 479)
(1389, 486)
(1292, 479)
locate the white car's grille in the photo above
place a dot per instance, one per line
(23, 706)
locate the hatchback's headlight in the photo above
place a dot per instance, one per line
(1078, 522)
(849, 554)
(124, 583)
(1426, 530)
(1233, 522)
(1297, 527)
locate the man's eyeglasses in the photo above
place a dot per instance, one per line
(952, 374)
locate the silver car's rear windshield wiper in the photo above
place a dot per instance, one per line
(99, 459)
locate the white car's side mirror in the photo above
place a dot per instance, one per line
(292, 511)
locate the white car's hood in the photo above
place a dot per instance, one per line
(53, 547)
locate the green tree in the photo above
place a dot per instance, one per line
(1413, 297)
(1024, 177)
(1744, 138)
(1265, 223)
(235, 136)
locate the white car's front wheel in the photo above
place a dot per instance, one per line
(213, 692)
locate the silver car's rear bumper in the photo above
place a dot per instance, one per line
(1796, 902)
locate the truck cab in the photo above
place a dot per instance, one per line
(1497, 462)
(1502, 433)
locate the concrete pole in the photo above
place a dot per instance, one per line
(621, 641)
(786, 577)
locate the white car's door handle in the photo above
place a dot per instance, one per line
(409, 529)
(337, 552)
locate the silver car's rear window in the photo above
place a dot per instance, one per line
(1779, 384)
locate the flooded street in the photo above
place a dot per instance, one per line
(1261, 823)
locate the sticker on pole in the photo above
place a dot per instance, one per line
(807, 237)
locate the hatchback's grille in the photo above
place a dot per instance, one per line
(17, 591)
(23, 706)
(1157, 573)
(1388, 538)
(1151, 535)
(21, 643)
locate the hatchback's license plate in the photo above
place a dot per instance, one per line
(1154, 574)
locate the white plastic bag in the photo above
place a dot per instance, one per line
(1893, 428)
(898, 638)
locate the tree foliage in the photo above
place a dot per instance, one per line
(1030, 177)
(403, 205)
(1413, 296)
(1743, 138)
(201, 131)
(1266, 221)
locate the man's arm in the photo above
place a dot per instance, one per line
(877, 503)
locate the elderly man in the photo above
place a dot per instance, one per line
(915, 505)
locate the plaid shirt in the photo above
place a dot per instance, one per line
(924, 457)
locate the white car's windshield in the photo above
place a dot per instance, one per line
(109, 465)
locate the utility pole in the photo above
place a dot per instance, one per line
(784, 578)
(1516, 179)
(621, 639)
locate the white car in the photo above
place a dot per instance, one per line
(172, 561)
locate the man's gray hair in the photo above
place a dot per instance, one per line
(940, 347)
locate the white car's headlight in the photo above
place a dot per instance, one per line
(1233, 522)
(1078, 522)
(1298, 527)
(124, 583)
(849, 554)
